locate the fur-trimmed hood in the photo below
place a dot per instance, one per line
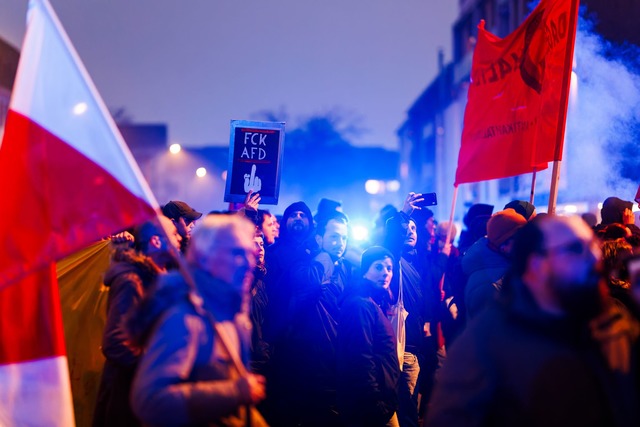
(127, 260)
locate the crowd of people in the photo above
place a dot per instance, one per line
(530, 320)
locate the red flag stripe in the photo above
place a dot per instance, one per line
(31, 321)
(57, 200)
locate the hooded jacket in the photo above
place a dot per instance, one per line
(128, 277)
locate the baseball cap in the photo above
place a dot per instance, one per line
(176, 209)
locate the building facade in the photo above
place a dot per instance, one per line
(8, 65)
(429, 138)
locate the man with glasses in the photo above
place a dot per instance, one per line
(184, 217)
(186, 375)
(541, 355)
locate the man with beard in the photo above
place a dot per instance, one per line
(539, 356)
(286, 255)
(131, 274)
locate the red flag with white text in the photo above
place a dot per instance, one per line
(516, 109)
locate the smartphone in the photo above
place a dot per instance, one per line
(430, 199)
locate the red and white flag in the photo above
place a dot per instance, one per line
(67, 176)
(34, 374)
(68, 179)
(517, 103)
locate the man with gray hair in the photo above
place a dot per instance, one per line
(187, 375)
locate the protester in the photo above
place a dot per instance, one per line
(453, 305)
(380, 223)
(421, 300)
(488, 259)
(368, 367)
(292, 249)
(533, 358)
(186, 375)
(616, 210)
(433, 260)
(615, 254)
(130, 275)
(475, 221)
(184, 217)
(268, 226)
(260, 351)
(311, 345)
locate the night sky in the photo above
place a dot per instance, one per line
(197, 64)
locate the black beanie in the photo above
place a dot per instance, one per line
(288, 212)
(374, 253)
(522, 207)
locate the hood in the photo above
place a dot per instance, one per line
(127, 260)
(288, 212)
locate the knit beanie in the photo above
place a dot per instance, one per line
(522, 207)
(503, 225)
(288, 212)
(373, 254)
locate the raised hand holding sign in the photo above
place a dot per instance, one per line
(255, 156)
(251, 181)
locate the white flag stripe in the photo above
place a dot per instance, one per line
(53, 89)
(36, 394)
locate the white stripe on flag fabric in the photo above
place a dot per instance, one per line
(53, 89)
(33, 394)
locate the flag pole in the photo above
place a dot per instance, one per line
(553, 194)
(564, 104)
(453, 208)
(447, 240)
(533, 185)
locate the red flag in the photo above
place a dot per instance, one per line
(67, 176)
(516, 108)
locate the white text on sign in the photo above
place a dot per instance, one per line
(253, 151)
